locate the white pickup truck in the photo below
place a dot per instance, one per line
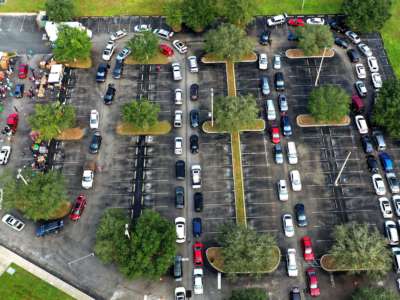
(176, 71)
(196, 176)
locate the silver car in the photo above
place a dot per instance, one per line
(393, 182)
(277, 62)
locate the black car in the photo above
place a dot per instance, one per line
(372, 164)
(194, 143)
(301, 217)
(341, 43)
(180, 170)
(177, 268)
(198, 201)
(194, 91)
(353, 55)
(194, 118)
(265, 38)
(101, 73)
(118, 69)
(295, 293)
(95, 143)
(279, 81)
(367, 144)
(179, 197)
(110, 93)
(338, 26)
(292, 36)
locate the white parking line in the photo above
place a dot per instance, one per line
(261, 190)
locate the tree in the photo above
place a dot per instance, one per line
(313, 39)
(234, 113)
(373, 293)
(228, 42)
(50, 119)
(72, 44)
(249, 294)
(359, 247)
(329, 103)
(144, 46)
(366, 15)
(149, 250)
(173, 12)
(41, 199)
(239, 12)
(60, 10)
(142, 113)
(243, 249)
(199, 13)
(387, 107)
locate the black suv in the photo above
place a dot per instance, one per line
(300, 212)
(353, 55)
(279, 81)
(179, 197)
(180, 170)
(118, 69)
(194, 91)
(372, 164)
(265, 38)
(341, 43)
(198, 201)
(194, 118)
(101, 74)
(110, 93)
(95, 143)
(194, 143)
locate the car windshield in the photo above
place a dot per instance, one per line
(302, 217)
(308, 250)
(86, 178)
(313, 285)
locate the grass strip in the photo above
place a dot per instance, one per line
(161, 128)
(158, 59)
(240, 204)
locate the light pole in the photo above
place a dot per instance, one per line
(302, 5)
(341, 169)
(127, 231)
(212, 107)
(19, 176)
(320, 67)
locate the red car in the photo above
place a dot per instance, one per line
(275, 135)
(12, 122)
(307, 248)
(166, 50)
(78, 208)
(312, 282)
(296, 22)
(198, 254)
(22, 71)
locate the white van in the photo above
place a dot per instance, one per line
(271, 114)
(291, 263)
(292, 153)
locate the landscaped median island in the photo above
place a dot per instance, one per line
(298, 53)
(162, 127)
(308, 121)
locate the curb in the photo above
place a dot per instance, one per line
(17, 14)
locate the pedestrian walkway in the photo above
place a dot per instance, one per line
(7, 257)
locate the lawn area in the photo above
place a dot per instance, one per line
(162, 127)
(240, 205)
(25, 286)
(268, 7)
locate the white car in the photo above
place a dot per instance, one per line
(287, 222)
(5, 154)
(373, 64)
(124, 53)
(291, 264)
(180, 230)
(353, 37)
(118, 35)
(87, 179)
(361, 124)
(108, 51)
(315, 21)
(196, 176)
(361, 72)
(13, 222)
(277, 62)
(176, 71)
(178, 118)
(178, 97)
(385, 207)
(198, 281)
(276, 20)
(180, 293)
(180, 46)
(270, 108)
(178, 145)
(193, 67)
(164, 34)
(263, 61)
(376, 80)
(379, 184)
(396, 204)
(364, 49)
(142, 28)
(295, 179)
(283, 193)
(391, 232)
(94, 119)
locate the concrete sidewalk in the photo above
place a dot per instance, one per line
(7, 257)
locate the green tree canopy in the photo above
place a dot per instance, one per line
(246, 250)
(366, 15)
(228, 42)
(50, 119)
(199, 13)
(373, 293)
(142, 113)
(173, 12)
(149, 251)
(329, 103)
(144, 46)
(359, 247)
(387, 107)
(234, 113)
(41, 199)
(239, 12)
(60, 10)
(314, 38)
(72, 44)
(249, 294)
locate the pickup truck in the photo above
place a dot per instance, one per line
(196, 176)
(176, 71)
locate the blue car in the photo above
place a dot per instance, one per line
(196, 227)
(386, 161)
(286, 126)
(49, 227)
(265, 38)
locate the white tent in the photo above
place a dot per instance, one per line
(51, 29)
